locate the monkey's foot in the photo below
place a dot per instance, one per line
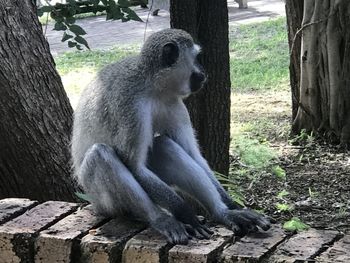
(244, 221)
(173, 230)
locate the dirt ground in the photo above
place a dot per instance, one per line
(317, 174)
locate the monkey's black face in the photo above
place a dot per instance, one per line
(197, 81)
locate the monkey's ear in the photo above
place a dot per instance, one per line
(170, 54)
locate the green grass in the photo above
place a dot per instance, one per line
(254, 154)
(259, 55)
(77, 69)
(91, 60)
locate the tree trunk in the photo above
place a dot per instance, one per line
(36, 116)
(324, 92)
(294, 11)
(207, 22)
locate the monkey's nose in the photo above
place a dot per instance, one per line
(201, 77)
(197, 80)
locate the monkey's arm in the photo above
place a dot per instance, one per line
(134, 152)
(182, 133)
(240, 220)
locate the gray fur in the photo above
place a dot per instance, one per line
(124, 168)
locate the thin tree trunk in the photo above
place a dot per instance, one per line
(323, 102)
(207, 22)
(36, 116)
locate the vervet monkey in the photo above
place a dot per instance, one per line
(133, 143)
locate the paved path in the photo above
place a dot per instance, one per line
(105, 34)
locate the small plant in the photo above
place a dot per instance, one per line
(282, 194)
(295, 224)
(312, 194)
(231, 187)
(342, 213)
(304, 138)
(283, 207)
(279, 172)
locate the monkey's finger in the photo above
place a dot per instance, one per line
(190, 230)
(207, 229)
(198, 235)
(271, 219)
(257, 219)
(235, 228)
(204, 233)
(202, 219)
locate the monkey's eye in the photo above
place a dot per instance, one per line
(170, 54)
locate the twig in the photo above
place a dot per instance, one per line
(305, 26)
(47, 21)
(149, 12)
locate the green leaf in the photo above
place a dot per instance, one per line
(123, 3)
(66, 37)
(58, 19)
(83, 196)
(113, 12)
(105, 2)
(82, 40)
(77, 30)
(59, 26)
(39, 12)
(46, 8)
(295, 225)
(131, 14)
(70, 20)
(72, 44)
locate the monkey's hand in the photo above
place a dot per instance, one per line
(174, 231)
(243, 221)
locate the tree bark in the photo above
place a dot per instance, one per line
(294, 11)
(323, 102)
(36, 116)
(207, 22)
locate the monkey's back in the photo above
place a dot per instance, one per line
(106, 105)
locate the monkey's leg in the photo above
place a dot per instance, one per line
(176, 167)
(113, 190)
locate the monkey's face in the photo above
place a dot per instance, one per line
(182, 71)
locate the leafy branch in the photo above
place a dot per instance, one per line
(63, 14)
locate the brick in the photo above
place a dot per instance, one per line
(339, 252)
(59, 243)
(205, 250)
(106, 243)
(17, 236)
(12, 207)
(146, 247)
(253, 247)
(303, 246)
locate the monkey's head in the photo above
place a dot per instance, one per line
(170, 61)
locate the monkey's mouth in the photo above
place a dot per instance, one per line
(197, 81)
